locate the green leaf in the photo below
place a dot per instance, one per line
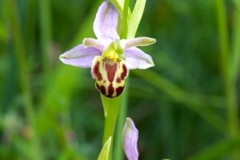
(136, 18)
(104, 154)
(218, 150)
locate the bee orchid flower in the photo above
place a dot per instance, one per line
(109, 57)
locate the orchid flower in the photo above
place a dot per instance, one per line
(109, 57)
(129, 139)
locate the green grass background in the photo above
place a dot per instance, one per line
(186, 107)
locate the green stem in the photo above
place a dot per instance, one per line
(121, 120)
(232, 109)
(111, 108)
(224, 37)
(233, 72)
(230, 79)
(236, 47)
(45, 27)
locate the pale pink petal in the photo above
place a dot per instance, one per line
(106, 22)
(137, 59)
(130, 138)
(80, 56)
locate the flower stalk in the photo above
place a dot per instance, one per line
(229, 64)
(111, 109)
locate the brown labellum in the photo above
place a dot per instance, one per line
(110, 76)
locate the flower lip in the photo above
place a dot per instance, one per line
(109, 75)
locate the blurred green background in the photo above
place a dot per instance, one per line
(186, 107)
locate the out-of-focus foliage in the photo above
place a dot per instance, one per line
(181, 107)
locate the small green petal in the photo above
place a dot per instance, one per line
(90, 42)
(139, 41)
